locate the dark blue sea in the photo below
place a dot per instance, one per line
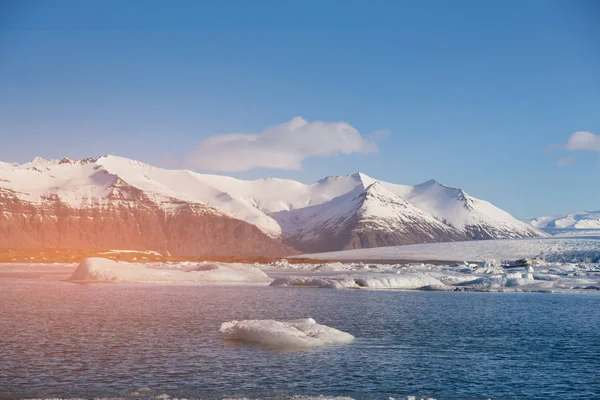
(65, 340)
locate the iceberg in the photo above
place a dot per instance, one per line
(370, 281)
(336, 282)
(284, 335)
(104, 270)
(331, 267)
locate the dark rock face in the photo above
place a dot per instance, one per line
(134, 222)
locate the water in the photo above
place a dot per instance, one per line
(59, 339)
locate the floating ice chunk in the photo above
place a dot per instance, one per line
(546, 277)
(488, 270)
(316, 282)
(486, 282)
(204, 267)
(528, 272)
(284, 335)
(398, 281)
(401, 280)
(513, 275)
(529, 283)
(105, 270)
(331, 267)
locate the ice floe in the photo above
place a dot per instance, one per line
(375, 281)
(551, 277)
(331, 267)
(105, 270)
(284, 335)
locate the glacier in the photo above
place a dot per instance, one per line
(554, 249)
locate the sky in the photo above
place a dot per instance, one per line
(500, 98)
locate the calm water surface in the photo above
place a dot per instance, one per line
(59, 339)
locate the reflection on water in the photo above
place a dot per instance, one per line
(59, 339)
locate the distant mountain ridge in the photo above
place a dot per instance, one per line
(575, 220)
(115, 202)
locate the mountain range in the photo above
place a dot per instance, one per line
(573, 220)
(115, 202)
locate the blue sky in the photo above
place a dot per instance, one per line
(471, 92)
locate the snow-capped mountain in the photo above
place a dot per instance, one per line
(574, 220)
(121, 203)
(366, 216)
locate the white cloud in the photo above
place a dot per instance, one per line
(563, 162)
(583, 141)
(282, 146)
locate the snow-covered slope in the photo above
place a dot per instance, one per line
(334, 213)
(473, 217)
(574, 220)
(113, 202)
(364, 217)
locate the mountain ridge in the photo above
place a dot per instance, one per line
(576, 220)
(334, 213)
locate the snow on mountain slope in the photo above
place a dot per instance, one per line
(187, 186)
(382, 207)
(469, 215)
(363, 217)
(334, 213)
(305, 223)
(86, 204)
(386, 219)
(272, 195)
(574, 220)
(5, 165)
(77, 185)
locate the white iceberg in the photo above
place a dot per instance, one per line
(284, 335)
(371, 281)
(105, 270)
(331, 267)
(336, 282)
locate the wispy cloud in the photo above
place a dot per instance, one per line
(282, 146)
(563, 162)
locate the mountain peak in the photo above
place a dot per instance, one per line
(41, 162)
(38, 159)
(38, 162)
(357, 178)
(433, 182)
(118, 162)
(365, 179)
